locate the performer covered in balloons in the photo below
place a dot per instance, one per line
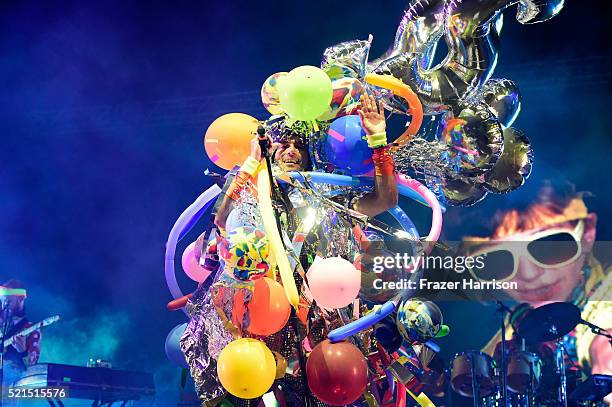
(283, 258)
(291, 154)
(547, 248)
(247, 301)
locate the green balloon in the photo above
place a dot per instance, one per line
(305, 93)
(444, 330)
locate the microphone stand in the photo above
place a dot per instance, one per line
(264, 145)
(5, 318)
(504, 371)
(597, 330)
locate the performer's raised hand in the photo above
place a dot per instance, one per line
(256, 149)
(372, 114)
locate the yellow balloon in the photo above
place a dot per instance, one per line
(269, 93)
(276, 244)
(246, 368)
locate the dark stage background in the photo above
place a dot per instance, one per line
(102, 112)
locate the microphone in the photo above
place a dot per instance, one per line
(261, 132)
(264, 143)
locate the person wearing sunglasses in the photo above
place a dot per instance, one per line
(546, 248)
(545, 262)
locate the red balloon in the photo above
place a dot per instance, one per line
(337, 372)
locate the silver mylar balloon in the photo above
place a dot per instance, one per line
(352, 54)
(536, 11)
(503, 98)
(472, 45)
(400, 67)
(418, 32)
(418, 320)
(513, 167)
(462, 192)
(468, 65)
(476, 144)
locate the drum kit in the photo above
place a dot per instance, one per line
(476, 375)
(519, 379)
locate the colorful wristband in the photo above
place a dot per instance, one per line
(250, 165)
(238, 184)
(377, 139)
(383, 162)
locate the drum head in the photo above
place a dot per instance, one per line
(523, 368)
(473, 370)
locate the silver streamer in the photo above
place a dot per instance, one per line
(423, 157)
(245, 210)
(204, 337)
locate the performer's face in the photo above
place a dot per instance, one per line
(292, 155)
(14, 303)
(538, 284)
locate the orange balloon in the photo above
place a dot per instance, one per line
(228, 139)
(269, 308)
(401, 89)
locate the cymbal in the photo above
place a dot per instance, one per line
(549, 322)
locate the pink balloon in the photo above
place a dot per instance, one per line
(191, 266)
(333, 282)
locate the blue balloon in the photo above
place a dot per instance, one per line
(346, 148)
(173, 351)
(362, 323)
